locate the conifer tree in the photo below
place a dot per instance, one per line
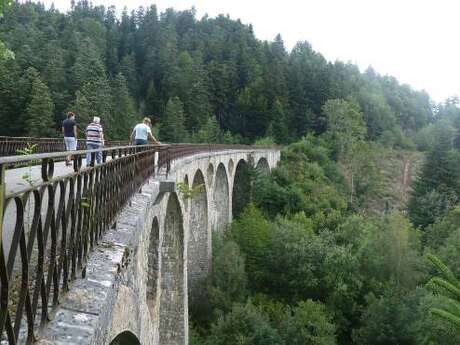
(94, 99)
(55, 77)
(279, 124)
(11, 116)
(189, 83)
(124, 114)
(88, 66)
(448, 286)
(172, 129)
(153, 102)
(39, 113)
(82, 108)
(209, 133)
(437, 189)
(128, 69)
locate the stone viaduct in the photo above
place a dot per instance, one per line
(145, 272)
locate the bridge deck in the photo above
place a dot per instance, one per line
(18, 179)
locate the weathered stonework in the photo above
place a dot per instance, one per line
(172, 318)
(198, 260)
(136, 285)
(221, 200)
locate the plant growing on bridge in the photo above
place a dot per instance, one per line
(446, 285)
(28, 150)
(189, 192)
(85, 202)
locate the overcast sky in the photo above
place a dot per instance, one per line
(417, 41)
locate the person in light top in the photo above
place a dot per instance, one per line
(94, 140)
(142, 133)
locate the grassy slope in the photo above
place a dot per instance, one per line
(398, 169)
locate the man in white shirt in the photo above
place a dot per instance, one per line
(142, 133)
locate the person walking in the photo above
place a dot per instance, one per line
(69, 130)
(142, 133)
(94, 140)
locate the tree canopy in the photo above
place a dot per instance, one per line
(126, 67)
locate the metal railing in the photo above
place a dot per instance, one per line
(10, 146)
(48, 228)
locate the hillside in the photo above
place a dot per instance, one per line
(191, 74)
(399, 169)
(396, 171)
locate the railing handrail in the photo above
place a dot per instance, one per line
(63, 154)
(60, 138)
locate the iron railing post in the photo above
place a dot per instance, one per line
(2, 200)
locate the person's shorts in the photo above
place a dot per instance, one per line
(70, 143)
(141, 142)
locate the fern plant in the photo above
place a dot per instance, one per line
(446, 285)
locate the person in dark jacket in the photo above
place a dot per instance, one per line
(69, 130)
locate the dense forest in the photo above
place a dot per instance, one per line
(327, 249)
(192, 75)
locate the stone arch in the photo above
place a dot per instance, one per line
(187, 184)
(221, 198)
(172, 309)
(153, 266)
(197, 247)
(210, 174)
(186, 179)
(263, 167)
(231, 166)
(241, 188)
(125, 338)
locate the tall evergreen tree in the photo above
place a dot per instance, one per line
(279, 124)
(55, 76)
(437, 189)
(123, 113)
(189, 83)
(88, 65)
(128, 69)
(95, 99)
(39, 114)
(153, 102)
(11, 100)
(209, 133)
(172, 129)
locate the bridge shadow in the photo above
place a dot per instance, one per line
(241, 188)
